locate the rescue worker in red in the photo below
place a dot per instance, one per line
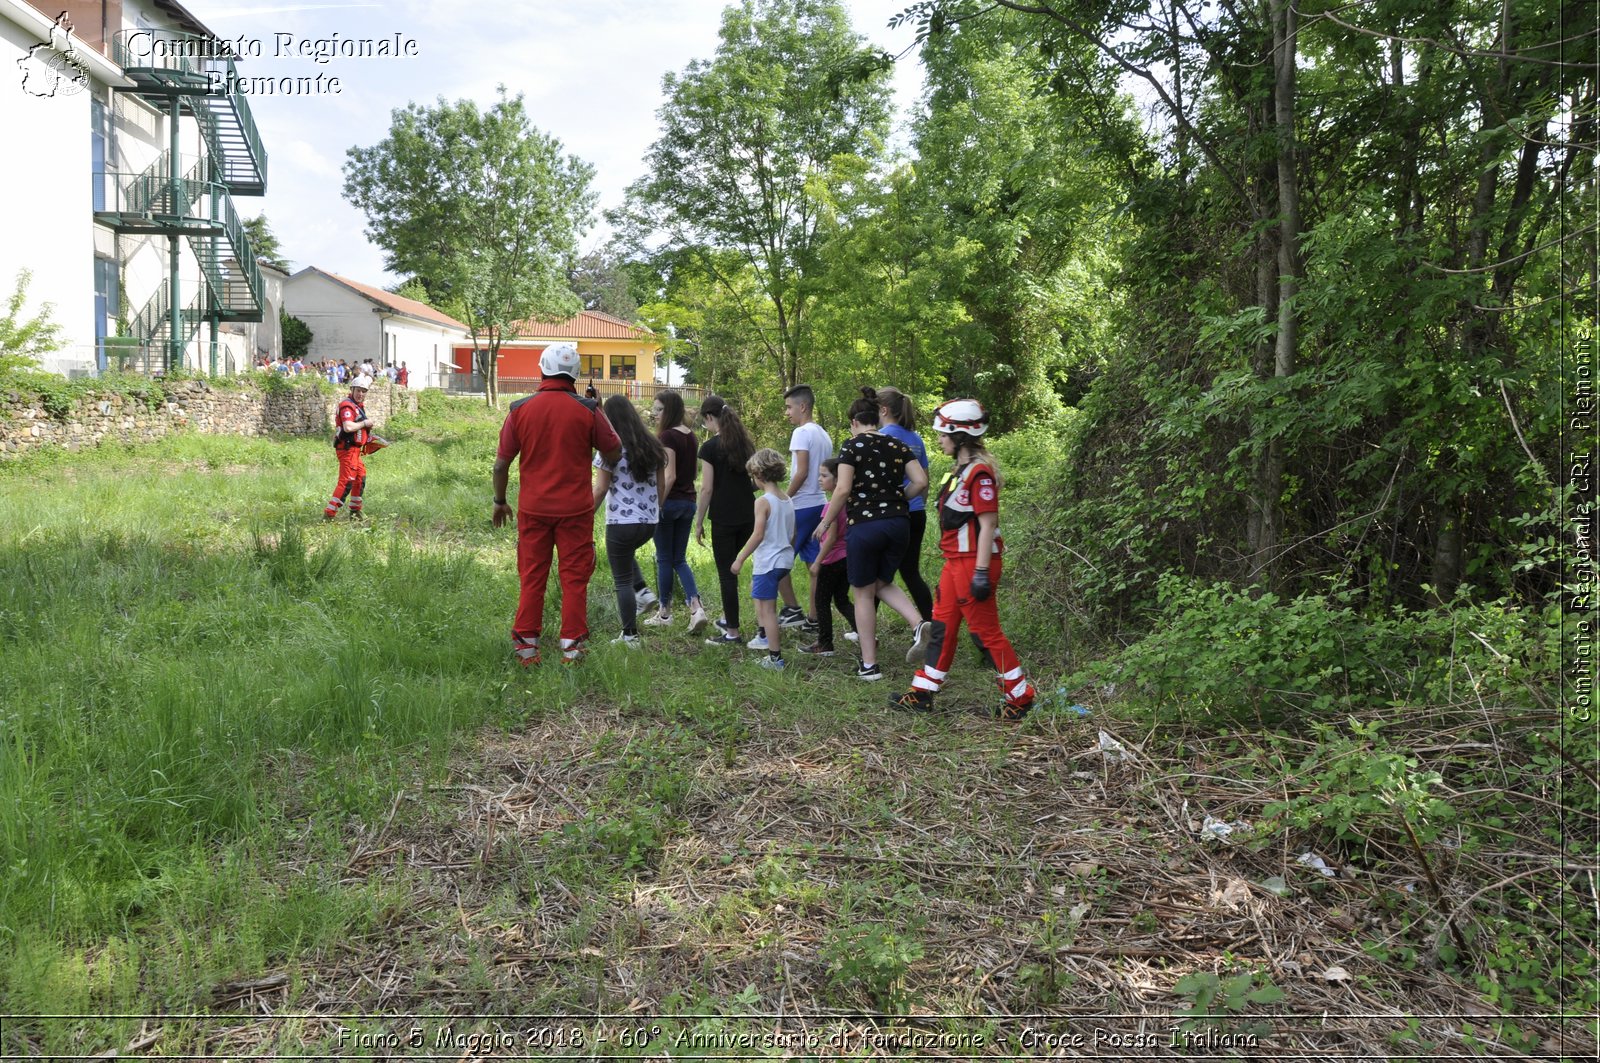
(969, 538)
(553, 433)
(352, 431)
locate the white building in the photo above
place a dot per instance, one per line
(123, 179)
(356, 321)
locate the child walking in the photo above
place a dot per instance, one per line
(771, 545)
(632, 489)
(969, 538)
(829, 572)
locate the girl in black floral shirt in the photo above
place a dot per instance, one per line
(872, 470)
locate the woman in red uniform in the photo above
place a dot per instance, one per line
(969, 538)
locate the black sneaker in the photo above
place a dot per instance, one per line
(792, 617)
(913, 701)
(871, 673)
(810, 627)
(818, 649)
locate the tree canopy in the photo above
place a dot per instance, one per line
(746, 138)
(483, 207)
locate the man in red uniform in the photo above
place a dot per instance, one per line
(553, 434)
(352, 430)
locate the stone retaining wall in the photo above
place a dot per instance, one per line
(25, 423)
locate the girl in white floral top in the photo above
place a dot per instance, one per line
(635, 488)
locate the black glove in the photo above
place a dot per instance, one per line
(981, 587)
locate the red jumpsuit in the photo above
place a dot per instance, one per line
(553, 433)
(347, 447)
(965, 493)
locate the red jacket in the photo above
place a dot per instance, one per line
(553, 433)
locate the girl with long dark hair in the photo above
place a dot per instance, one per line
(728, 496)
(635, 486)
(677, 513)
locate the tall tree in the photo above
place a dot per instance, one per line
(482, 204)
(602, 282)
(790, 91)
(265, 243)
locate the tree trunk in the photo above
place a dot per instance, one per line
(1285, 36)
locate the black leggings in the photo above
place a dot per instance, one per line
(622, 547)
(726, 542)
(911, 568)
(833, 585)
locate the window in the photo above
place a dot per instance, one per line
(624, 367)
(107, 304)
(592, 365)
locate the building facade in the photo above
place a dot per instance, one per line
(356, 321)
(136, 153)
(617, 357)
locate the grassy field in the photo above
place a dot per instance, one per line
(265, 776)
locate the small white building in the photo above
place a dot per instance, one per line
(355, 321)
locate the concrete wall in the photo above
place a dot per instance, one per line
(26, 425)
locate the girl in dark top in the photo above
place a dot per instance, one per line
(872, 470)
(899, 421)
(729, 497)
(677, 513)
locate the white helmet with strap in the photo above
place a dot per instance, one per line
(961, 415)
(560, 359)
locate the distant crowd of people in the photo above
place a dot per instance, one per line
(336, 371)
(856, 518)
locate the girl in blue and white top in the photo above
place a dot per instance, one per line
(635, 487)
(771, 545)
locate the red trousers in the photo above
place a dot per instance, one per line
(572, 540)
(352, 481)
(952, 604)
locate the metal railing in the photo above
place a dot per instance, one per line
(200, 66)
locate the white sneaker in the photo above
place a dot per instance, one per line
(919, 644)
(757, 643)
(698, 621)
(659, 620)
(630, 641)
(644, 599)
(852, 636)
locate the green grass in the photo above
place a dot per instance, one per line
(239, 747)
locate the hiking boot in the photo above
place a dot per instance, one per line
(1011, 711)
(913, 700)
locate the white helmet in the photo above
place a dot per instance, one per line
(961, 415)
(364, 382)
(560, 359)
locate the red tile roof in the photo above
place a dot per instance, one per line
(588, 325)
(390, 301)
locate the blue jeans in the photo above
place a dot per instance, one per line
(672, 550)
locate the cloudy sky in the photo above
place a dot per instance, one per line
(591, 72)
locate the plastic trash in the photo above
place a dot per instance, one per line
(1317, 864)
(1215, 829)
(1275, 885)
(1112, 749)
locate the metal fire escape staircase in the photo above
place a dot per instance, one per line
(192, 199)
